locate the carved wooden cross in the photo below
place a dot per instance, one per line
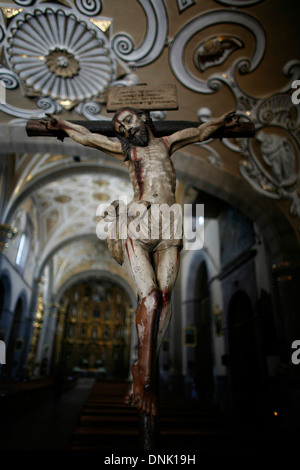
(35, 128)
(146, 98)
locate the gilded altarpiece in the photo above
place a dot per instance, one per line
(95, 328)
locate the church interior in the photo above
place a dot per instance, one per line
(229, 365)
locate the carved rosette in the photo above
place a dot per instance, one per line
(56, 55)
(62, 63)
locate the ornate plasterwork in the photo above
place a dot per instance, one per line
(271, 163)
(66, 214)
(60, 55)
(200, 23)
(271, 160)
(62, 73)
(215, 50)
(84, 256)
(154, 40)
(184, 4)
(79, 255)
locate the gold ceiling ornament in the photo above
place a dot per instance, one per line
(62, 57)
(10, 12)
(29, 91)
(102, 24)
(62, 63)
(7, 235)
(67, 104)
(100, 196)
(100, 182)
(63, 198)
(8, 231)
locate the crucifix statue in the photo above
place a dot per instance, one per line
(152, 263)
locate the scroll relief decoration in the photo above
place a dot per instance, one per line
(78, 59)
(272, 166)
(270, 161)
(60, 56)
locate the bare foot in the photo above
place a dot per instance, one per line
(129, 395)
(141, 394)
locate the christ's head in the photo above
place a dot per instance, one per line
(132, 127)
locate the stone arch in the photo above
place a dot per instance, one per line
(198, 313)
(63, 243)
(97, 274)
(54, 175)
(96, 343)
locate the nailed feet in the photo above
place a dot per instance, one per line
(142, 394)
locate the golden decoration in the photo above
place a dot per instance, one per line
(100, 182)
(100, 196)
(104, 25)
(62, 63)
(7, 234)
(10, 12)
(67, 104)
(215, 50)
(63, 199)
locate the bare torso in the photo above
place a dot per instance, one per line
(152, 173)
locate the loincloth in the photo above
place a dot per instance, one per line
(154, 230)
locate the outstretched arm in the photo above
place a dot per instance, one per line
(199, 134)
(83, 136)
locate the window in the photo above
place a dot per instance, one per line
(24, 246)
(21, 249)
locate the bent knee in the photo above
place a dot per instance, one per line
(152, 298)
(166, 295)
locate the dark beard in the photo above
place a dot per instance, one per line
(141, 138)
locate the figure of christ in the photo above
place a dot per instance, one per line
(152, 266)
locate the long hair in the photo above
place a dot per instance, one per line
(125, 142)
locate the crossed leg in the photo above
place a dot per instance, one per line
(154, 278)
